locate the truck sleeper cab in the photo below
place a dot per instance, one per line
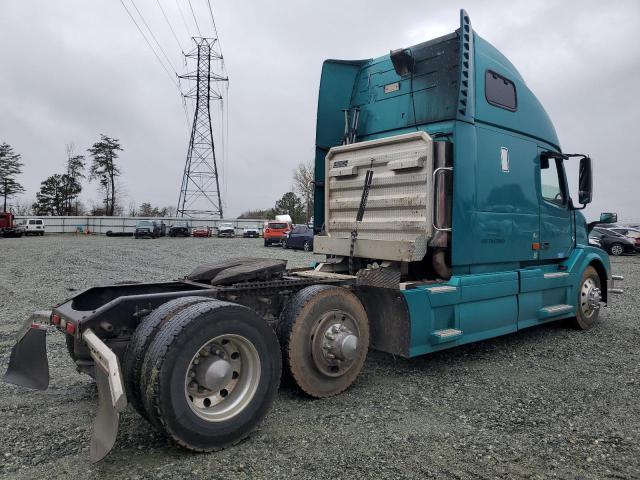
(443, 209)
(480, 228)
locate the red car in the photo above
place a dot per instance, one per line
(202, 231)
(275, 231)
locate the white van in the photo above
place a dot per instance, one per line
(33, 226)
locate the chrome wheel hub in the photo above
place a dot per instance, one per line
(340, 343)
(334, 343)
(590, 297)
(222, 377)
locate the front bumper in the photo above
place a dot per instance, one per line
(29, 367)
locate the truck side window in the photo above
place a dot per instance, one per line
(500, 91)
(550, 181)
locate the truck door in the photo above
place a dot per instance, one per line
(556, 230)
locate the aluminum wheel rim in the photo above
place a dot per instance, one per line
(328, 366)
(232, 396)
(616, 250)
(589, 293)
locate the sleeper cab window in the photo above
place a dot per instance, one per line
(500, 91)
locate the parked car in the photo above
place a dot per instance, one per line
(274, 232)
(595, 242)
(631, 233)
(33, 226)
(202, 231)
(251, 232)
(180, 229)
(226, 230)
(148, 229)
(613, 242)
(300, 237)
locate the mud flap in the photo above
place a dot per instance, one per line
(105, 425)
(28, 364)
(111, 397)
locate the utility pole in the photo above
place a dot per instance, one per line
(200, 191)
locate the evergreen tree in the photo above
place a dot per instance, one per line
(10, 167)
(50, 199)
(104, 169)
(291, 204)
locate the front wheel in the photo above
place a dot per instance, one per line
(589, 296)
(616, 249)
(215, 373)
(307, 246)
(284, 243)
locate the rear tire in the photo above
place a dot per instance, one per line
(616, 249)
(588, 301)
(307, 246)
(311, 332)
(238, 395)
(284, 243)
(266, 244)
(140, 341)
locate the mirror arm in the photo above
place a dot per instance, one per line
(590, 226)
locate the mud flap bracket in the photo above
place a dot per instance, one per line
(111, 397)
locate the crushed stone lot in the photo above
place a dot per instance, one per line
(547, 402)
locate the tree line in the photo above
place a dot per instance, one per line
(59, 194)
(297, 203)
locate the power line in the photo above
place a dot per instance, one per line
(154, 37)
(215, 31)
(194, 18)
(173, 79)
(184, 20)
(170, 26)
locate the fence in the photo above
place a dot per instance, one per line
(102, 225)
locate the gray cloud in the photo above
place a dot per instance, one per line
(72, 69)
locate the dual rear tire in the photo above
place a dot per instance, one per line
(204, 371)
(207, 371)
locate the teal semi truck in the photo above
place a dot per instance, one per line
(442, 207)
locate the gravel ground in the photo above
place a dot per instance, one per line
(545, 402)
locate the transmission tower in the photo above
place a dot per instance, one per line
(200, 190)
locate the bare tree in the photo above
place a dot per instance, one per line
(72, 179)
(303, 177)
(23, 207)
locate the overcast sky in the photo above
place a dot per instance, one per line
(72, 69)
